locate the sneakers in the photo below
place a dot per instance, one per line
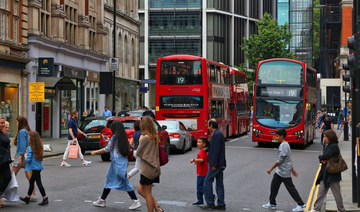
(86, 163)
(299, 208)
(99, 203)
(65, 164)
(269, 206)
(136, 204)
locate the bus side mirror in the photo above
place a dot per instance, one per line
(164, 127)
(189, 129)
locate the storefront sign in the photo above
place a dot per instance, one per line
(143, 90)
(93, 76)
(46, 67)
(73, 73)
(36, 91)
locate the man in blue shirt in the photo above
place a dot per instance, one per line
(217, 164)
(107, 112)
(72, 139)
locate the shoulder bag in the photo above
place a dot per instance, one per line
(164, 159)
(336, 165)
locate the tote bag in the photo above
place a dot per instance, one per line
(73, 151)
(164, 159)
(11, 191)
(336, 165)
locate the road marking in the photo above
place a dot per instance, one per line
(246, 209)
(88, 201)
(275, 149)
(312, 194)
(58, 200)
(168, 202)
(119, 202)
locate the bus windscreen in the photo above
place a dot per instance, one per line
(278, 113)
(280, 73)
(183, 72)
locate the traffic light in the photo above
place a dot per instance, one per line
(346, 78)
(354, 59)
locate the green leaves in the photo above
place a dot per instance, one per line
(270, 42)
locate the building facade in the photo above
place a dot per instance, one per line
(298, 14)
(13, 60)
(67, 50)
(213, 29)
(126, 46)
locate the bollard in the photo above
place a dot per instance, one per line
(346, 131)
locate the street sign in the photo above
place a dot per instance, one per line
(148, 81)
(36, 91)
(143, 90)
(114, 64)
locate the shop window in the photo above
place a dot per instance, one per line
(9, 105)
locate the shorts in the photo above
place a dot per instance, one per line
(146, 181)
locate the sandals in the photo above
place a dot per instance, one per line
(160, 209)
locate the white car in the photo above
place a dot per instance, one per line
(180, 138)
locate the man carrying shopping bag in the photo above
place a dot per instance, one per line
(72, 139)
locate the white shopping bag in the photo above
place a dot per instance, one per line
(47, 148)
(11, 192)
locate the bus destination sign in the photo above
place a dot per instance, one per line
(279, 92)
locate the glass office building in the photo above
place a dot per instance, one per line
(298, 14)
(213, 29)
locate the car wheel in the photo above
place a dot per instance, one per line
(105, 157)
(167, 147)
(183, 150)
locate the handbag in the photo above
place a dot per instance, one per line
(163, 157)
(73, 151)
(11, 191)
(336, 165)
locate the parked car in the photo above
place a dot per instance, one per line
(92, 126)
(129, 129)
(180, 138)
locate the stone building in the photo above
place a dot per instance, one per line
(13, 60)
(67, 41)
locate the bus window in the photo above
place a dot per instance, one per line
(217, 109)
(218, 75)
(180, 72)
(212, 73)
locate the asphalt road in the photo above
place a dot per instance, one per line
(246, 182)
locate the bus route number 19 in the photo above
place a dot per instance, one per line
(292, 93)
(180, 80)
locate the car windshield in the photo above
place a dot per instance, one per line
(169, 125)
(278, 113)
(95, 123)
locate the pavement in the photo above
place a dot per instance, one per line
(346, 183)
(59, 145)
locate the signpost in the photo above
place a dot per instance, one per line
(36, 91)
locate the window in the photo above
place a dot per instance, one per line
(181, 73)
(217, 109)
(16, 8)
(16, 29)
(71, 25)
(4, 25)
(212, 73)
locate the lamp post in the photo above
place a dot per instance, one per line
(114, 55)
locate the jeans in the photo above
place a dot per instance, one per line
(208, 189)
(200, 189)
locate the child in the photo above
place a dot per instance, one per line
(34, 163)
(202, 168)
(282, 174)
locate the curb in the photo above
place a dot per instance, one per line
(52, 155)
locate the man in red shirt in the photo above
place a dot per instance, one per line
(202, 168)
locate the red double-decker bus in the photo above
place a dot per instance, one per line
(284, 97)
(193, 90)
(240, 103)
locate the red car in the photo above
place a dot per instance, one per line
(129, 129)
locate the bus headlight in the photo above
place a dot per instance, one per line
(256, 132)
(299, 134)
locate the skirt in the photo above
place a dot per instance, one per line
(146, 181)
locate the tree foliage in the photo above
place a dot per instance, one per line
(270, 42)
(316, 32)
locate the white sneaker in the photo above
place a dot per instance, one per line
(65, 164)
(299, 208)
(269, 206)
(136, 204)
(100, 202)
(86, 163)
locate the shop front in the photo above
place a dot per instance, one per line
(12, 99)
(93, 92)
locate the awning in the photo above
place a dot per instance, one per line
(62, 83)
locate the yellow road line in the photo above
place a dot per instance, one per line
(312, 190)
(315, 196)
